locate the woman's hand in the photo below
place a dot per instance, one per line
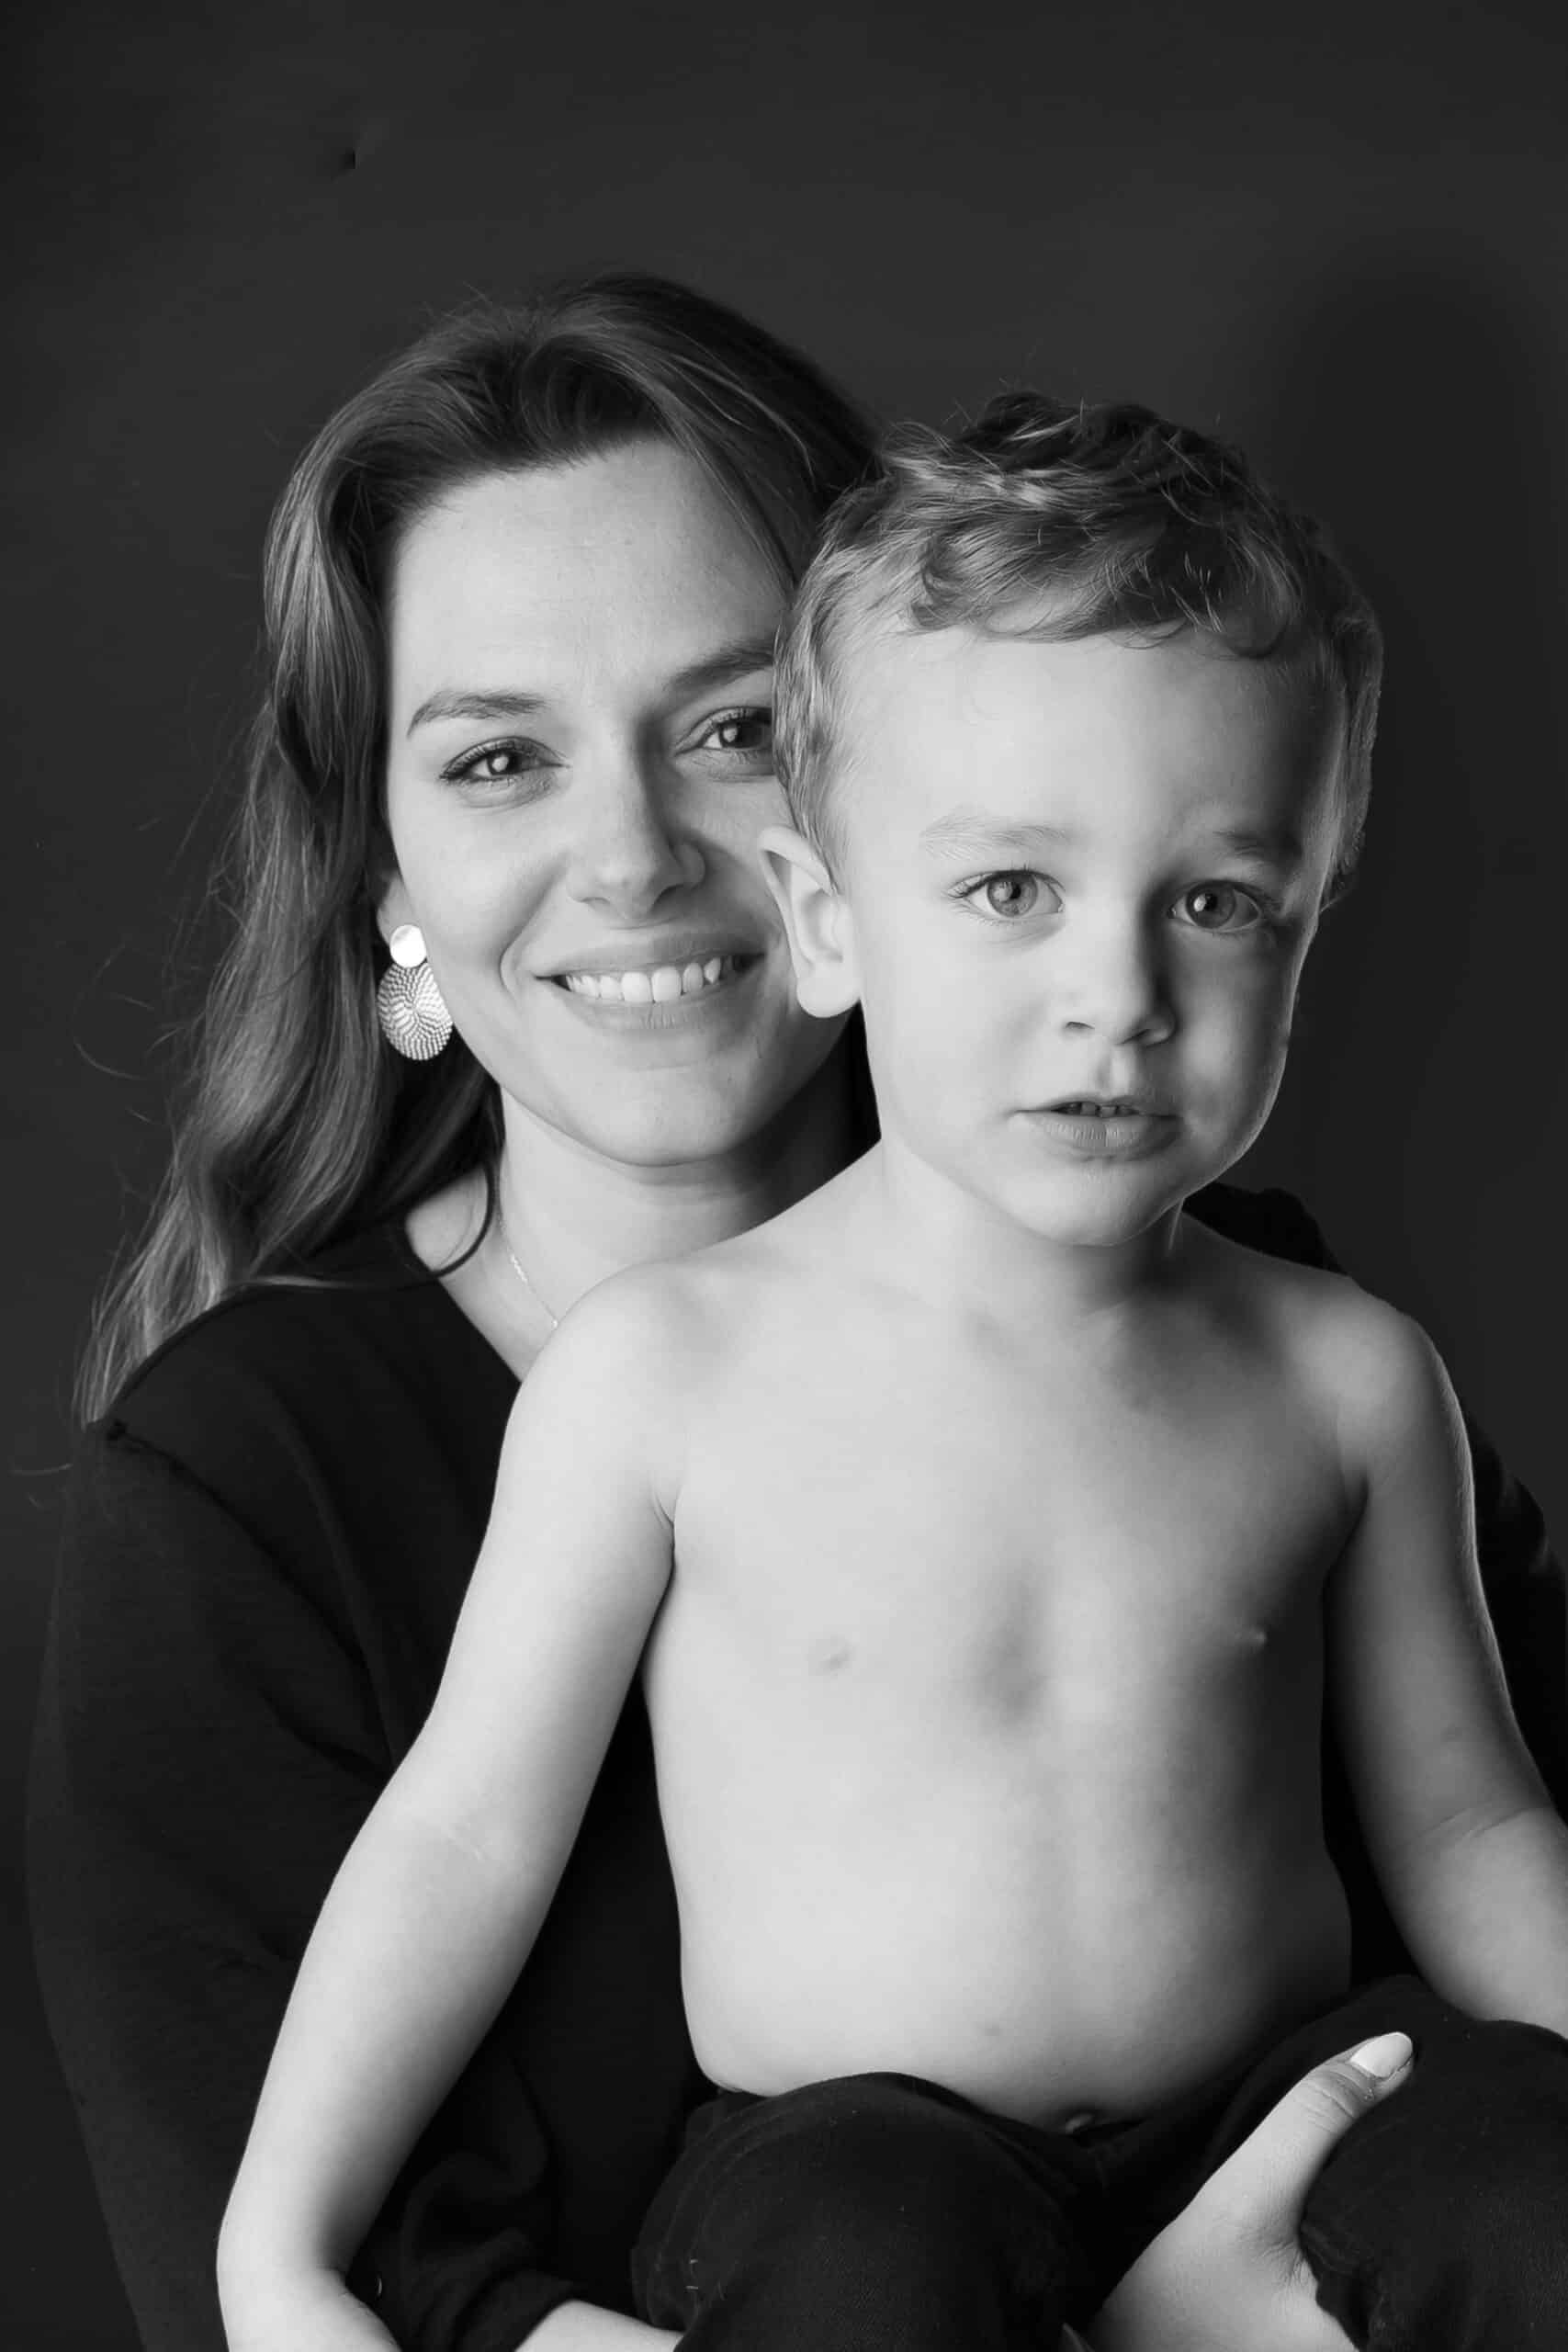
(581, 2328)
(1228, 2274)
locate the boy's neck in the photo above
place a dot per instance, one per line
(971, 1255)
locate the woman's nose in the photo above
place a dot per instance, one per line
(627, 850)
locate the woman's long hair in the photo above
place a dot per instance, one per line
(296, 1125)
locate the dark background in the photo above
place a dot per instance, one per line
(1343, 241)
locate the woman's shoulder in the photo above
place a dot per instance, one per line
(1272, 1221)
(293, 1485)
(359, 1345)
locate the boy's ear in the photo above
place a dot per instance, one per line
(816, 922)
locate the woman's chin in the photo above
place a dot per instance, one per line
(655, 1093)
(675, 1118)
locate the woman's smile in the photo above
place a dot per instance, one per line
(650, 996)
(665, 967)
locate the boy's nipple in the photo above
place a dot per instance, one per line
(828, 1654)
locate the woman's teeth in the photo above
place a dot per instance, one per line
(662, 986)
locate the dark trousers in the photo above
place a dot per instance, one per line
(879, 2213)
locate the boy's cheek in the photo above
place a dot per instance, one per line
(1253, 992)
(1234, 1050)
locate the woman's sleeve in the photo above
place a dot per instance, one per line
(207, 1747)
(1527, 1595)
(1527, 1591)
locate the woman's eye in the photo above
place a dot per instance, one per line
(1007, 895)
(742, 734)
(495, 764)
(1218, 906)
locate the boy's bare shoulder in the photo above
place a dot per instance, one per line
(1372, 1366)
(673, 1313)
(640, 1319)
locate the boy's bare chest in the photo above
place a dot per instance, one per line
(880, 1514)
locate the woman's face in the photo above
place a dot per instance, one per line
(580, 761)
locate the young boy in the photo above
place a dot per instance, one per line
(989, 1533)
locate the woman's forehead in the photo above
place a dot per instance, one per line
(630, 563)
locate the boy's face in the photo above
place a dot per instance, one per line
(1078, 884)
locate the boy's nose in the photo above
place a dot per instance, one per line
(1114, 989)
(628, 847)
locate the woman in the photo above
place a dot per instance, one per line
(521, 598)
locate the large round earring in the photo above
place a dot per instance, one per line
(409, 1005)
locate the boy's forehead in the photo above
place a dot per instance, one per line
(1015, 673)
(1028, 726)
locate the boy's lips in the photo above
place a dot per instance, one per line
(1105, 1126)
(1108, 1106)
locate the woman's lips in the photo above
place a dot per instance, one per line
(655, 983)
(633, 993)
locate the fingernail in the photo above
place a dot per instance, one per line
(1383, 2056)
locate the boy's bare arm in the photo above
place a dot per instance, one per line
(1472, 1855)
(438, 1902)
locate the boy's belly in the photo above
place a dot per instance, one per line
(1047, 2024)
(1073, 1900)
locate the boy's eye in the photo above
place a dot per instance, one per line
(1008, 895)
(1218, 906)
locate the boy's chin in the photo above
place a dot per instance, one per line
(1100, 1215)
(1104, 1232)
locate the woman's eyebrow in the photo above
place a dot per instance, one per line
(736, 660)
(454, 703)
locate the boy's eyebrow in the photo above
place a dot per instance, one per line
(1274, 845)
(738, 659)
(973, 829)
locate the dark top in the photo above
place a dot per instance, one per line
(267, 1544)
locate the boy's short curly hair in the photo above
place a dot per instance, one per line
(1057, 522)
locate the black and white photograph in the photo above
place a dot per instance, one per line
(788, 838)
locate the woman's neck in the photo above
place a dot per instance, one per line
(569, 1217)
(574, 1216)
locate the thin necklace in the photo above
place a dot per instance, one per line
(517, 1270)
